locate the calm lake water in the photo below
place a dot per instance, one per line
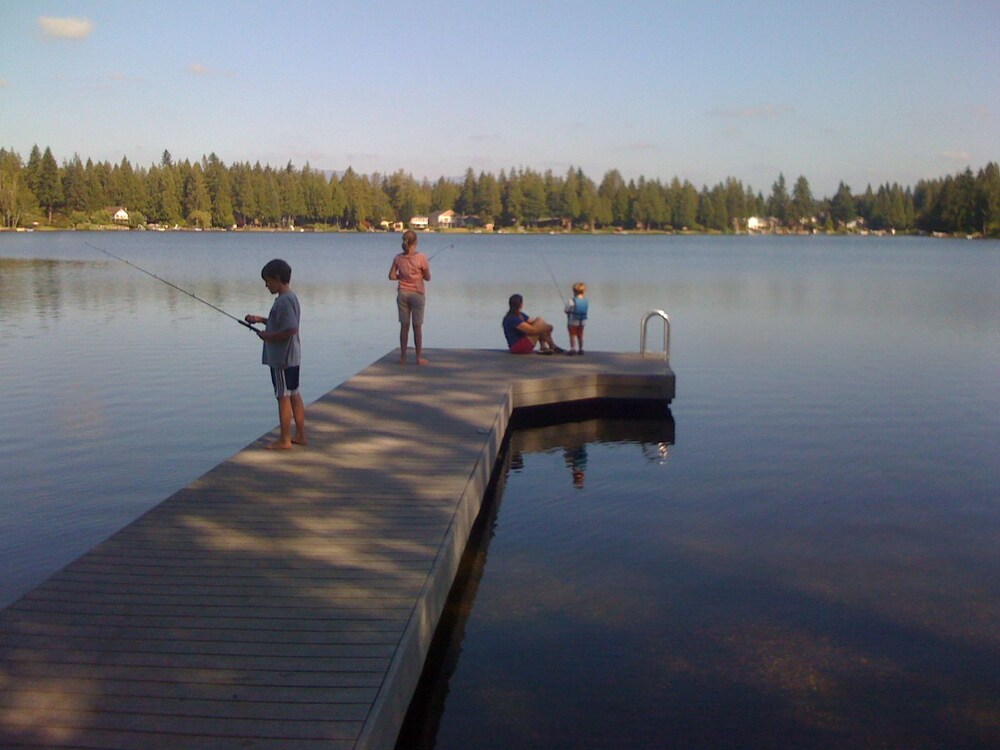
(812, 562)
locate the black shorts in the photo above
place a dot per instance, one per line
(285, 381)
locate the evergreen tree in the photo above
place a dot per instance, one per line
(842, 207)
(465, 204)
(245, 207)
(988, 200)
(293, 203)
(803, 204)
(356, 201)
(219, 191)
(33, 169)
(649, 211)
(96, 195)
(316, 194)
(337, 201)
(196, 203)
(127, 188)
(74, 185)
(512, 197)
(571, 195)
(168, 203)
(590, 202)
(554, 195)
(488, 205)
(736, 204)
(268, 197)
(685, 206)
(48, 185)
(533, 204)
(379, 207)
(707, 214)
(443, 195)
(778, 204)
(614, 190)
(406, 199)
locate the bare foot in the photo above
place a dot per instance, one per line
(421, 361)
(402, 361)
(277, 445)
(299, 441)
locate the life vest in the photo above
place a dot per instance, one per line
(579, 311)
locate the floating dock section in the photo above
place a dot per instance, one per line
(287, 599)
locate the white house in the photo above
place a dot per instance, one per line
(443, 219)
(418, 222)
(120, 216)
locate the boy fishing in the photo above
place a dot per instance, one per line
(283, 352)
(576, 317)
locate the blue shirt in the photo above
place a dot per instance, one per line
(510, 324)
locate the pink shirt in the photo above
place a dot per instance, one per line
(410, 271)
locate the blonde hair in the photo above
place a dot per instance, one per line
(579, 288)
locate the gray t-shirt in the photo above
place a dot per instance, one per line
(284, 315)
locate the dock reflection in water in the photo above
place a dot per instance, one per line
(646, 429)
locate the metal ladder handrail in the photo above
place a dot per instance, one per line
(666, 333)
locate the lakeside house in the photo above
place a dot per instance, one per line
(119, 215)
(442, 219)
(419, 222)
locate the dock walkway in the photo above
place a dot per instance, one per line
(286, 599)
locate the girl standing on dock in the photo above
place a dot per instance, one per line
(411, 269)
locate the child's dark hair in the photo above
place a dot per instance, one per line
(277, 269)
(515, 302)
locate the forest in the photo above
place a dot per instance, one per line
(208, 194)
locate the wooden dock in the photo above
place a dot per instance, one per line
(286, 599)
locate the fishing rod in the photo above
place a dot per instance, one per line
(441, 251)
(171, 284)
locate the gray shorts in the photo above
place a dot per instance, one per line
(411, 307)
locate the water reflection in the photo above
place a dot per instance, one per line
(647, 426)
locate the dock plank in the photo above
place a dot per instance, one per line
(287, 599)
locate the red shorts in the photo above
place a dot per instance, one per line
(522, 346)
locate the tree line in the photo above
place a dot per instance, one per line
(208, 193)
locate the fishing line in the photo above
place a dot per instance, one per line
(171, 284)
(441, 251)
(553, 277)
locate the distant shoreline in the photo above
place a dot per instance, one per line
(517, 233)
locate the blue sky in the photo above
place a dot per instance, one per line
(864, 92)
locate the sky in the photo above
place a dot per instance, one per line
(861, 92)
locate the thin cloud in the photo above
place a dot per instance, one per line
(752, 113)
(66, 28)
(962, 157)
(123, 78)
(197, 69)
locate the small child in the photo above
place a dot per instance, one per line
(576, 317)
(283, 352)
